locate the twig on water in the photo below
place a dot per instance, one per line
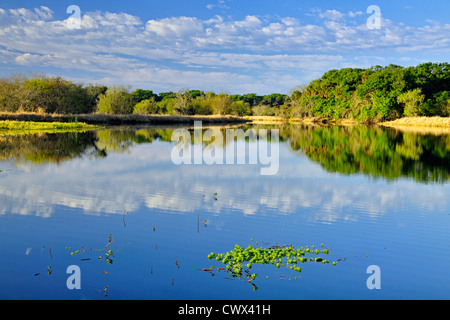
(50, 250)
(123, 217)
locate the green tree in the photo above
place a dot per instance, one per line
(239, 108)
(220, 103)
(148, 106)
(94, 92)
(201, 106)
(13, 95)
(56, 95)
(116, 100)
(412, 102)
(167, 104)
(47, 95)
(182, 103)
(442, 102)
(140, 95)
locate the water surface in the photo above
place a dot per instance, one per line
(372, 196)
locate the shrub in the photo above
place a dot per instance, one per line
(412, 101)
(46, 95)
(148, 106)
(116, 100)
(442, 102)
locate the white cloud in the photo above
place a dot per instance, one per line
(221, 4)
(28, 59)
(352, 14)
(169, 50)
(174, 28)
(332, 15)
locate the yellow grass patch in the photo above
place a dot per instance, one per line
(419, 122)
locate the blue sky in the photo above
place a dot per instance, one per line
(217, 45)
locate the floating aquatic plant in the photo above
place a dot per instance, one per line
(240, 260)
(105, 291)
(109, 254)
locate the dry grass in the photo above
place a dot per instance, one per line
(421, 122)
(317, 121)
(441, 122)
(422, 125)
(265, 119)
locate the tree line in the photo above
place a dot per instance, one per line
(378, 92)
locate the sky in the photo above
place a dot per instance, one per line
(232, 46)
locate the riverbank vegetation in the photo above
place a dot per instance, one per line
(377, 93)
(28, 126)
(124, 119)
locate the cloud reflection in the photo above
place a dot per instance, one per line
(144, 178)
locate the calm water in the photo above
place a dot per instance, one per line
(371, 196)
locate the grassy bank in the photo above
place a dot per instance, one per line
(441, 122)
(305, 120)
(35, 121)
(8, 126)
(431, 122)
(130, 119)
(422, 125)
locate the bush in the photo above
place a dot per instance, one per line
(12, 94)
(147, 106)
(239, 108)
(263, 110)
(442, 102)
(412, 101)
(202, 107)
(220, 103)
(116, 100)
(47, 95)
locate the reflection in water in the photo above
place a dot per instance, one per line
(376, 152)
(115, 170)
(41, 148)
(77, 188)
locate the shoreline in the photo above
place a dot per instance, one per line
(410, 122)
(135, 119)
(114, 120)
(307, 121)
(435, 122)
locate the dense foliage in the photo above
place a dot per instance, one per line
(48, 95)
(375, 93)
(379, 92)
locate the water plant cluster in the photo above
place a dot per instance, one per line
(108, 253)
(240, 260)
